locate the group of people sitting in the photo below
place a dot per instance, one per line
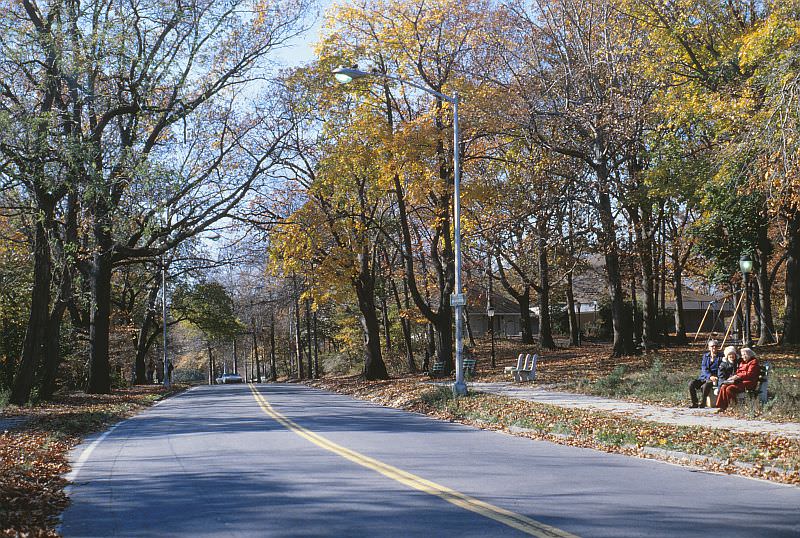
(727, 371)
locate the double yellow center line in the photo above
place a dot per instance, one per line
(506, 517)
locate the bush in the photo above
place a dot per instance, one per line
(437, 397)
(784, 389)
(341, 363)
(191, 375)
(609, 385)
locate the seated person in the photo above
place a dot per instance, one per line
(708, 368)
(745, 378)
(727, 366)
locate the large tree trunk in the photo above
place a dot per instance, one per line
(143, 340)
(100, 316)
(374, 367)
(444, 337)
(100, 324)
(545, 326)
(525, 320)
(298, 342)
(316, 349)
(791, 320)
(405, 324)
(387, 328)
(273, 367)
(430, 346)
(309, 341)
(52, 356)
(680, 317)
(574, 338)
(36, 334)
(642, 218)
(765, 302)
(623, 335)
(211, 373)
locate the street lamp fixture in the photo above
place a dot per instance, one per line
(345, 75)
(746, 266)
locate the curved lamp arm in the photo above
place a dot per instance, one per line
(347, 74)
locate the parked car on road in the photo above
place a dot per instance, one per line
(229, 378)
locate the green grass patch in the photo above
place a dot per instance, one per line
(660, 385)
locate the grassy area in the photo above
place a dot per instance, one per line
(668, 386)
(33, 455)
(658, 377)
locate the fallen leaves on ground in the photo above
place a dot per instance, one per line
(33, 455)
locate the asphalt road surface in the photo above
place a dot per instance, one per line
(287, 460)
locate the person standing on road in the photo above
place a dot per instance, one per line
(708, 374)
(745, 378)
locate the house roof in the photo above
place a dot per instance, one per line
(589, 285)
(503, 305)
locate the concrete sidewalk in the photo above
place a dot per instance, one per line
(665, 415)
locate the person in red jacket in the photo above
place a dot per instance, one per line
(745, 378)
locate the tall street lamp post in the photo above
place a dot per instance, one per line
(490, 313)
(457, 299)
(164, 316)
(257, 289)
(746, 266)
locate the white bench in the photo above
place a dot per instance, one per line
(520, 363)
(525, 369)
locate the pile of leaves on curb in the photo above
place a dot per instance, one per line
(33, 452)
(749, 454)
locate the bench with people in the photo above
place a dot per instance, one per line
(726, 376)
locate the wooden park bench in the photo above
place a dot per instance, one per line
(525, 369)
(438, 369)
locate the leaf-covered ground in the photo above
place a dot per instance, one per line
(755, 455)
(34, 448)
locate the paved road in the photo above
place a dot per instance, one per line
(294, 461)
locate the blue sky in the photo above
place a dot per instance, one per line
(299, 51)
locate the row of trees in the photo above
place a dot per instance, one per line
(128, 128)
(660, 136)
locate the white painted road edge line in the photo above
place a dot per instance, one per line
(72, 476)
